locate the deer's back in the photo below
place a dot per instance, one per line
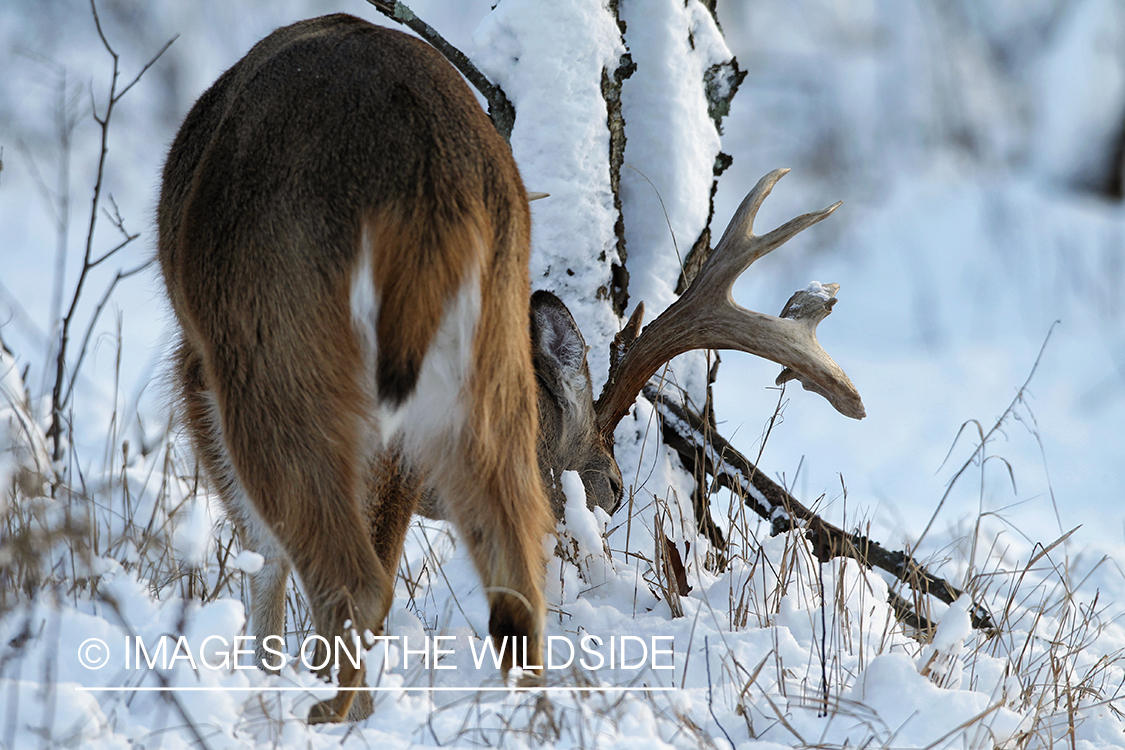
(332, 138)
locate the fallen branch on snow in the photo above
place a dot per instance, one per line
(702, 448)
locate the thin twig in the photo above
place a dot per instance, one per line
(986, 437)
(58, 401)
(120, 276)
(710, 702)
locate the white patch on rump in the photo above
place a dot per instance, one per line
(364, 304)
(437, 408)
(364, 300)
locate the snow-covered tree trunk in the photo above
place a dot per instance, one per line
(618, 107)
(614, 121)
(673, 75)
(549, 59)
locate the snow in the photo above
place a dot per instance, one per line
(962, 140)
(578, 521)
(248, 561)
(192, 539)
(671, 144)
(910, 705)
(941, 658)
(548, 59)
(1080, 115)
(76, 721)
(954, 628)
(670, 152)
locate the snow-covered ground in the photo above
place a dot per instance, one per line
(965, 140)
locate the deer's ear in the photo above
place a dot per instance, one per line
(557, 345)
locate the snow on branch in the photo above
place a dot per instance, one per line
(703, 450)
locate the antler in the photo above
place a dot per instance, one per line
(707, 317)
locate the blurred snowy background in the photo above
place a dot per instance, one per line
(976, 147)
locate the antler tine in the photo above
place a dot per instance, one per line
(742, 223)
(739, 247)
(707, 317)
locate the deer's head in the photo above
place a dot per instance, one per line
(576, 433)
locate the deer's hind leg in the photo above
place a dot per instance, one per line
(502, 514)
(485, 470)
(268, 583)
(293, 430)
(392, 493)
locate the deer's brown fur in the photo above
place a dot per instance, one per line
(336, 150)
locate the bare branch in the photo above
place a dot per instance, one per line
(147, 65)
(111, 252)
(58, 405)
(118, 277)
(117, 221)
(58, 400)
(698, 443)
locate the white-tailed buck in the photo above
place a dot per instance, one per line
(344, 238)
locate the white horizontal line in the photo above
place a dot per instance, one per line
(595, 689)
